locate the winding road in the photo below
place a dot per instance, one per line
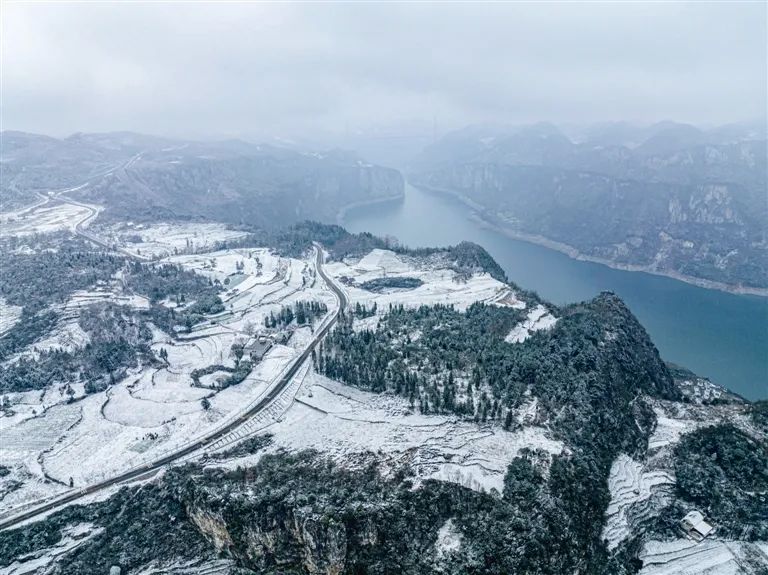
(188, 449)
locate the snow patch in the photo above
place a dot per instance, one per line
(538, 318)
(167, 239)
(631, 486)
(47, 219)
(440, 285)
(449, 539)
(708, 557)
(343, 422)
(9, 316)
(67, 337)
(668, 430)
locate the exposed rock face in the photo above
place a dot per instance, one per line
(324, 543)
(316, 543)
(213, 527)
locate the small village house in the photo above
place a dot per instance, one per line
(695, 525)
(258, 348)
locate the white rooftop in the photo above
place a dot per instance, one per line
(696, 520)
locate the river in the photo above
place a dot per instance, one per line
(718, 335)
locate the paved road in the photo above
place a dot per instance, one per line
(191, 448)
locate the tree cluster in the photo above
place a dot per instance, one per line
(302, 312)
(724, 472)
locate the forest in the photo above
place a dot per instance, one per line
(294, 509)
(118, 335)
(119, 338)
(724, 472)
(444, 360)
(589, 373)
(303, 312)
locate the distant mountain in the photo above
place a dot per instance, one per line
(668, 137)
(633, 135)
(678, 201)
(144, 177)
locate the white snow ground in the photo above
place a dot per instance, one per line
(631, 486)
(440, 285)
(9, 315)
(167, 239)
(48, 218)
(538, 318)
(708, 557)
(346, 423)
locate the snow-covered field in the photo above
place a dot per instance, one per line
(47, 441)
(632, 487)
(708, 557)
(669, 430)
(113, 294)
(167, 239)
(9, 315)
(441, 286)
(67, 335)
(345, 423)
(640, 488)
(48, 218)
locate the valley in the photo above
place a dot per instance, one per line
(383, 288)
(670, 199)
(719, 335)
(186, 407)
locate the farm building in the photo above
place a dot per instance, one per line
(258, 348)
(696, 526)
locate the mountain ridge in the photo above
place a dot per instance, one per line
(697, 212)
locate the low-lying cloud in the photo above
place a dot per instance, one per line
(232, 69)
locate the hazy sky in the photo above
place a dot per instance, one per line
(239, 69)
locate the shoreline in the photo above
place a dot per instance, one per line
(342, 213)
(477, 215)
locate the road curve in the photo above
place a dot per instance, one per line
(186, 450)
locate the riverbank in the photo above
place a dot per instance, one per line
(715, 334)
(480, 217)
(342, 213)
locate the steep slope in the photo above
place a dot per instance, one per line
(145, 178)
(683, 202)
(433, 443)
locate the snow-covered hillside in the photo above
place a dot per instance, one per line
(62, 438)
(50, 440)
